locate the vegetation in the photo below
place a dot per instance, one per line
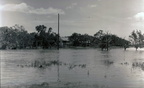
(81, 39)
(137, 39)
(45, 39)
(105, 40)
(16, 37)
(100, 39)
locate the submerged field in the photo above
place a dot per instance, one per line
(72, 68)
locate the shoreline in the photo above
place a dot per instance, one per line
(70, 47)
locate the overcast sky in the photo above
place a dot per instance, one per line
(118, 17)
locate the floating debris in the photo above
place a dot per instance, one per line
(107, 62)
(124, 63)
(88, 72)
(44, 64)
(138, 65)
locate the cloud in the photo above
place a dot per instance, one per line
(24, 8)
(139, 16)
(92, 6)
(50, 10)
(71, 6)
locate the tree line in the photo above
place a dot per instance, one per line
(99, 39)
(137, 39)
(17, 37)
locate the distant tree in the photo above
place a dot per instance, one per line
(45, 39)
(140, 38)
(75, 39)
(31, 40)
(22, 36)
(105, 40)
(40, 28)
(134, 37)
(83, 40)
(41, 35)
(14, 37)
(50, 38)
(99, 34)
(102, 39)
(5, 37)
(137, 38)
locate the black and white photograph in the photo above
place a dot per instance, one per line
(71, 43)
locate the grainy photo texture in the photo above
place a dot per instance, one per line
(72, 43)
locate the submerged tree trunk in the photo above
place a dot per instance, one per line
(136, 46)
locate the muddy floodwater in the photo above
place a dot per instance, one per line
(101, 69)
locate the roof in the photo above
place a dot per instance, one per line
(64, 38)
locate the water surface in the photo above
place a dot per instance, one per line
(113, 69)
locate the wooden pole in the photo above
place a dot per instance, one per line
(58, 33)
(107, 42)
(58, 49)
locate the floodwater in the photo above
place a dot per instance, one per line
(109, 69)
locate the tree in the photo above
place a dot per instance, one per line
(75, 39)
(40, 36)
(81, 39)
(14, 37)
(45, 39)
(22, 36)
(5, 36)
(137, 38)
(99, 34)
(105, 40)
(102, 39)
(140, 38)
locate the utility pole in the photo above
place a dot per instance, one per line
(58, 49)
(107, 42)
(58, 33)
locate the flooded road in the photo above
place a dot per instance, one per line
(113, 69)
